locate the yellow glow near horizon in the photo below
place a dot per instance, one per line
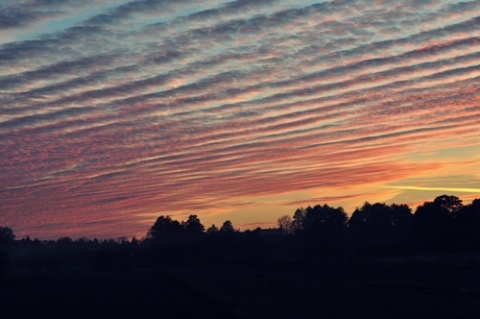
(446, 189)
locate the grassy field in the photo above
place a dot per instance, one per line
(246, 291)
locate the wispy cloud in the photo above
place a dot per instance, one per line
(122, 109)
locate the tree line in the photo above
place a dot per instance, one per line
(443, 225)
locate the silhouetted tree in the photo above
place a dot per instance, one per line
(432, 225)
(6, 236)
(227, 227)
(467, 221)
(193, 225)
(401, 219)
(298, 218)
(370, 225)
(164, 227)
(285, 223)
(320, 216)
(64, 242)
(451, 203)
(324, 228)
(134, 242)
(380, 225)
(212, 230)
(401, 216)
(226, 236)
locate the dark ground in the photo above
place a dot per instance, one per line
(283, 290)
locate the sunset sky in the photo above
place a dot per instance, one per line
(113, 112)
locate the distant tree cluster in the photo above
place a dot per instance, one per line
(167, 230)
(443, 225)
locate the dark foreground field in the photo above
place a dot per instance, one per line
(239, 291)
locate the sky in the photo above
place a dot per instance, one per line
(113, 112)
